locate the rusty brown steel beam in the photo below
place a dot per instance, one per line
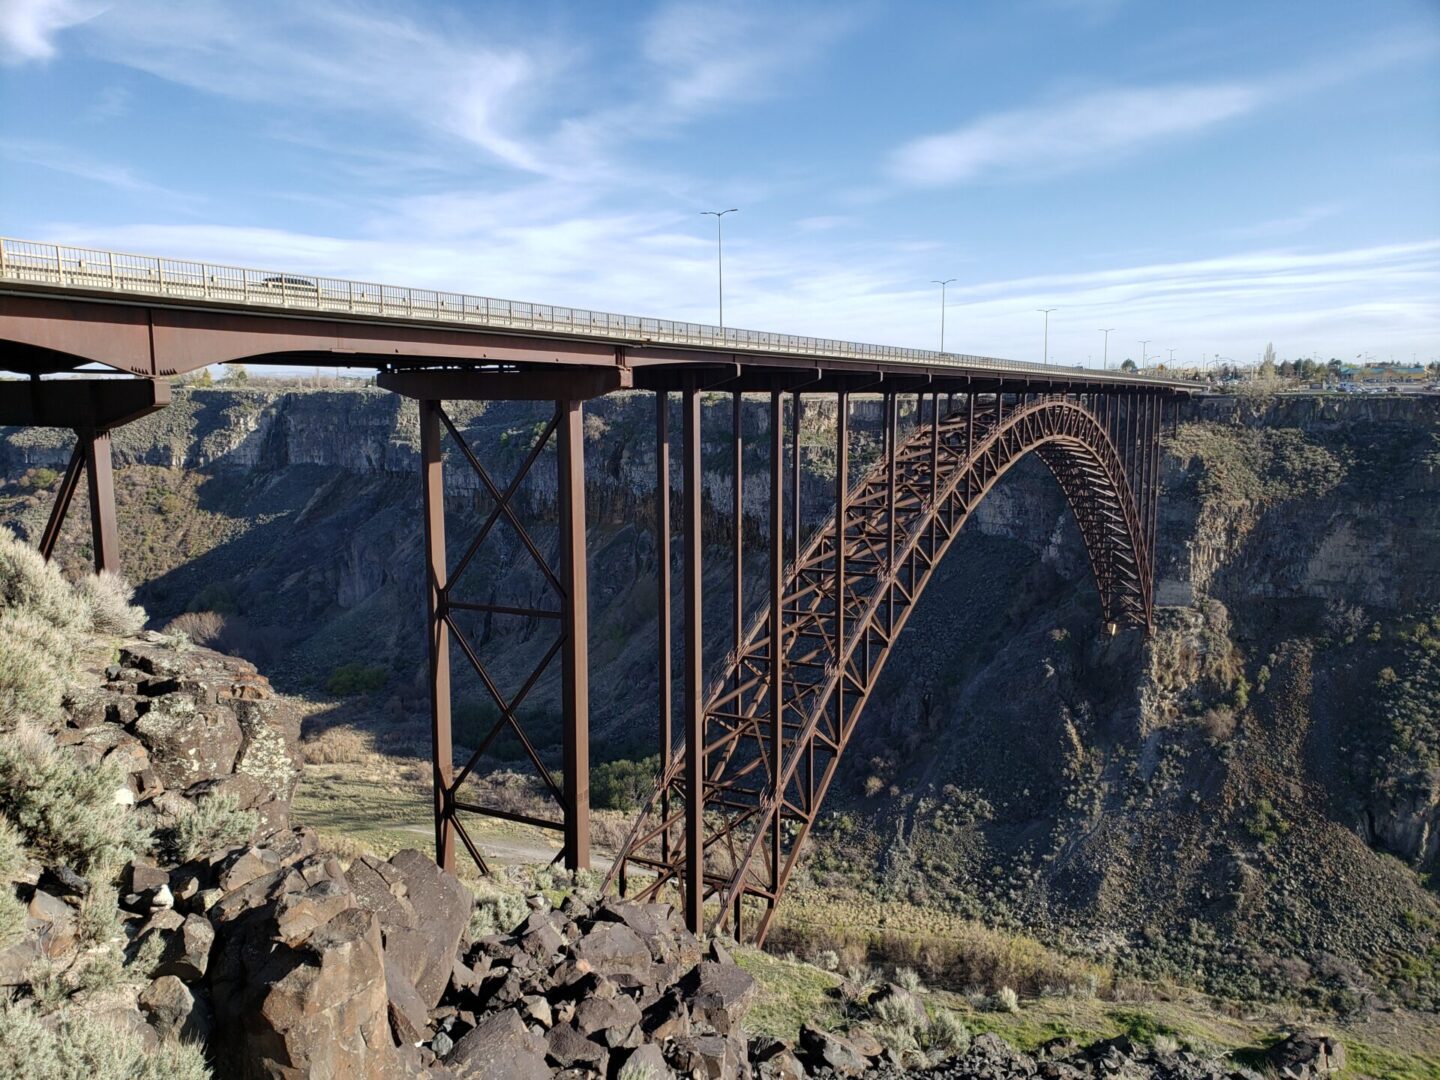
(82, 404)
(575, 657)
(662, 549)
(100, 482)
(775, 618)
(63, 498)
(432, 480)
(694, 883)
(547, 384)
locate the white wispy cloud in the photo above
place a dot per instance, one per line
(65, 159)
(28, 27)
(1069, 134)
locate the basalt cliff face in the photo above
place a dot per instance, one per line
(1249, 799)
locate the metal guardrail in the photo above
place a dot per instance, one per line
(147, 275)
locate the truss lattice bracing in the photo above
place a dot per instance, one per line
(768, 757)
(564, 579)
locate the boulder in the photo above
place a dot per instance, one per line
(499, 1048)
(423, 912)
(831, 1052)
(709, 1057)
(238, 868)
(186, 952)
(567, 1048)
(613, 947)
(595, 1017)
(187, 745)
(1307, 1054)
(298, 979)
(719, 994)
(174, 1011)
(648, 1062)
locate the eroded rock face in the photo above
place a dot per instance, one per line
(190, 722)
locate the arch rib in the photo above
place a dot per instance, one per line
(844, 602)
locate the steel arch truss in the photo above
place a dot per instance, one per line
(772, 729)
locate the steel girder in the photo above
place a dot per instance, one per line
(767, 759)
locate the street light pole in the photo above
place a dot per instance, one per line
(1046, 311)
(719, 258)
(942, 285)
(1144, 348)
(1106, 330)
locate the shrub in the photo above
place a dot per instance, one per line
(204, 628)
(1265, 823)
(945, 1035)
(624, 785)
(497, 911)
(108, 596)
(67, 813)
(1218, 724)
(217, 822)
(79, 1046)
(28, 583)
(36, 664)
(1005, 1000)
(350, 679)
(908, 979)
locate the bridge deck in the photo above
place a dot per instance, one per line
(31, 268)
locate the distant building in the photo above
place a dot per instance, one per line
(1382, 373)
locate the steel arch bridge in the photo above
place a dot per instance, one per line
(777, 722)
(758, 747)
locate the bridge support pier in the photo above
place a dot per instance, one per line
(447, 605)
(91, 408)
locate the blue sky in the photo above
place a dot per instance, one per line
(1207, 176)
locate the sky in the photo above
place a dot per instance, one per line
(1210, 177)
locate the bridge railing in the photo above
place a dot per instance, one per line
(146, 275)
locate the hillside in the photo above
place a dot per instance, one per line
(1249, 804)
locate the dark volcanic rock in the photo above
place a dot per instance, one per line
(499, 1048)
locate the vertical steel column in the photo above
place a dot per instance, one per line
(891, 449)
(63, 498)
(694, 883)
(575, 656)
(934, 469)
(662, 558)
(842, 490)
(101, 482)
(432, 479)
(739, 515)
(970, 451)
(795, 417)
(777, 635)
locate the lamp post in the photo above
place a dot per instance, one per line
(1046, 311)
(1172, 356)
(1144, 348)
(942, 285)
(719, 258)
(1106, 331)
